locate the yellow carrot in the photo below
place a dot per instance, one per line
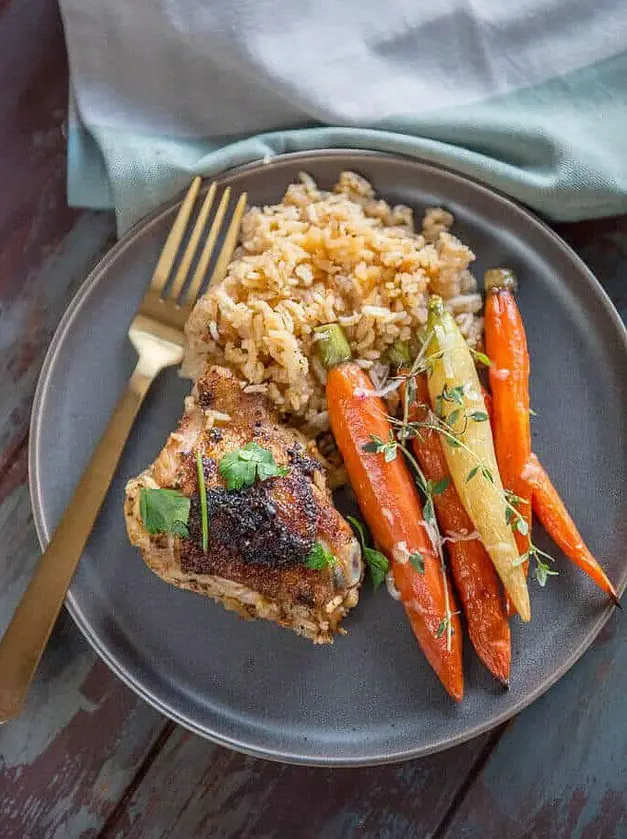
(457, 402)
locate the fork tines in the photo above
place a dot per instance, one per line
(176, 292)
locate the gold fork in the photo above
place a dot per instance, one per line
(156, 332)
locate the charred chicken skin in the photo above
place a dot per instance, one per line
(259, 538)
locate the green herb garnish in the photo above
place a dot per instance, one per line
(385, 447)
(242, 467)
(319, 558)
(472, 473)
(376, 562)
(481, 357)
(202, 493)
(478, 416)
(164, 511)
(333, 346)
(417, 561)
(398, 354)
(453, 394)
(543, 570)
(427, 511)
(442, 626)
(453, 416)
(440, 486)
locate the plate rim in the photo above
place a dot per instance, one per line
(43, 382)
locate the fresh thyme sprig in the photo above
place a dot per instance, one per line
(542, 571)
(429, 489)
(406, 429)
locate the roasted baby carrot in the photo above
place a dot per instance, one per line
(457, 401)
(474, 575)
(475, 579)
(390, 505)
(506, 346)
(552, 512)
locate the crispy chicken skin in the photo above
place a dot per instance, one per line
(259, 536)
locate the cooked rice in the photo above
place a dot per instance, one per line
(321, 257)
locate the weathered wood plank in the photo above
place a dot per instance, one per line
(602, 244)
(35, 222)
(215, 792)
(560, 770)
(69, 758)
(67, 761)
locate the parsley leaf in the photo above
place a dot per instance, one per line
(242, 467)
(377, 563)
(164, 511)
(358, 526)
(319, 558)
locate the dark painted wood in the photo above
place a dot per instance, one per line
(215, 792)
(65, 764)
(560, 770)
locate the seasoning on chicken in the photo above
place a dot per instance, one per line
(276, 547)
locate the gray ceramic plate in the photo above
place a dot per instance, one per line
(370, 697)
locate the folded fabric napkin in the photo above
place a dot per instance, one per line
(530, 97)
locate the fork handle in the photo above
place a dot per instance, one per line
(27, 634)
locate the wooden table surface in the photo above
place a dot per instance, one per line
(90, 759)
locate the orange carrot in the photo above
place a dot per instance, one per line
(552, 512)
(506, 346)
(390, 505)
(475, 578)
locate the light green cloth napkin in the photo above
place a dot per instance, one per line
(531, 100)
